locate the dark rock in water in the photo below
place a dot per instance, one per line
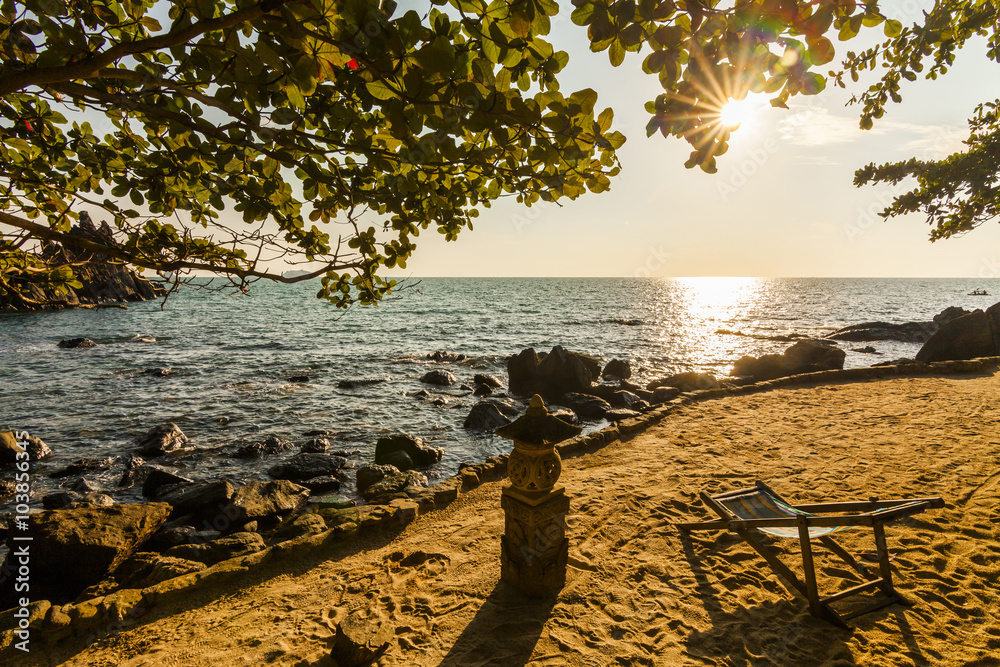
(203, 499)
(443, 356)
(620, 414)
(867, 349)
(664, 394)
(159, 372)
(371, 473)
(688, 381)
(216, 551)
(508, 406)
(485, 417)
(162, 439)
(805, 356)
(307, 466)
(103, 281)
(307, 524)
(624, 400)
(419, 452)
(482, 390)
(270, 446)
(323, 484)
(491, 381)
(950, 313)
(132, 462)
(145, 569)
(908, 332)
(72, 549)
(617, 368)
(316, 446)
(522, 369)
(563, 372)
(439, 377)
(265, 500)
(7, 488)
(394, 484)
(966, 337)
(301, 379)
(586, 406)
(564, 414)
(423, 393)
(152, 478)
(398, 459)
(360, 382)
(84, 466)
(82, 485)
(360, 641)
(60, 500)
(76, 343)
(10, 448)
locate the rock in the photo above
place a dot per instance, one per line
(564, 372)
(307, 524)
(508, 406)
(485, 417)
(805, 356)
(37, 449)
(522, 371)
(7, 488)
(620, 414)
(81, 485)
(216, 551)
(266, 500)
(270, 446)
(354, 383)
(84, 466)
(950, 313)
(360, 641)
(482, 390)
(72, 549)
(10, 448)
(908, 332)
(443, 356)
(423, 393)
(172, 535)
(102, 279)
(322, 484)
(419, 452)
(371, 473)
(316, 446)
(688, 381)
(867, 349)
(967, 337)
(439, 377)
(491, 381)
(664, 394)
(161, 440)
(398, 459)
(77, 343)
(155, 478)
(334, 501)
(617, 368)
(306, 466)
(584, 405)
(159, 372)
(394, 484)
(60, 500)
(146, 568)
(564, 414)
(202, 499)
(624, 400)
(299, 379)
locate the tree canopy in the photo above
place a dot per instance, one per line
(376, 123)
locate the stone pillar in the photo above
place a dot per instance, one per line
(534, 547)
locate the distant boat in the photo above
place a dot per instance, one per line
(295, 274)
(979, 292)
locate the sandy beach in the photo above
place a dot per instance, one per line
(638, 592)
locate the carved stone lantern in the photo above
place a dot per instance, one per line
(534, 547)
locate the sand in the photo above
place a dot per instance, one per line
(638, 593)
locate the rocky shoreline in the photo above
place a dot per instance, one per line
(186, 527)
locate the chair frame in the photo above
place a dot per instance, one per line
(874, 513)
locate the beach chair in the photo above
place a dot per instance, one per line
(761, 508)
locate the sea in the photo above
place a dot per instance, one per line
(237, 361)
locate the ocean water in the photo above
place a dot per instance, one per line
(233, 357)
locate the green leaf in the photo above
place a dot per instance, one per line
(893, 28)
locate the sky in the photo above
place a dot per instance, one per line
(783, 202)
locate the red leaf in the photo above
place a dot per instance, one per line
(353, 63)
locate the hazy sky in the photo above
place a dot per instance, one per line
(782, 203)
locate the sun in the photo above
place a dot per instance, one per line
(736, 112)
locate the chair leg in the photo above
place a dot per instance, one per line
(812, 589)
(883, 560)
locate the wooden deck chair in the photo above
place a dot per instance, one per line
(759, 507)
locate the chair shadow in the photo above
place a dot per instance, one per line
(772, 633)
(504, 631)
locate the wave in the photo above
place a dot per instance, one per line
(624, 321)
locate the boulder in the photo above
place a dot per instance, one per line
(522, 372)
(266, 500)
(361, 640)
(322, 484)
(508, 406)
(967, 337)
(316, 446)
(564, 414)
(161, 440)
(202, 499)
(482, 390)
(306, 466)
(485, 417)
(688, 381)
(620, 414)
(624, 400)
(10, 448)
(152, 478)
(147, 568)
(907, 332)
(37, 449)
(419, 452)
(60, 500)
(587, 407)
(563, 372)
(72, 549)
(269, 446)
(484, 379)
(371, 473)
(805, 356)
(216, 551)
(950, 313)
(76, 343)
(354, 383)
(394, 484)
(159, 372)
(617, 368)
(441, 355)
(439, 377)
(307, 524)
(83, 466)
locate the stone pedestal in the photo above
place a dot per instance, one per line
(534, 547)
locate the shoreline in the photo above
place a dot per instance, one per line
(371, 520)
